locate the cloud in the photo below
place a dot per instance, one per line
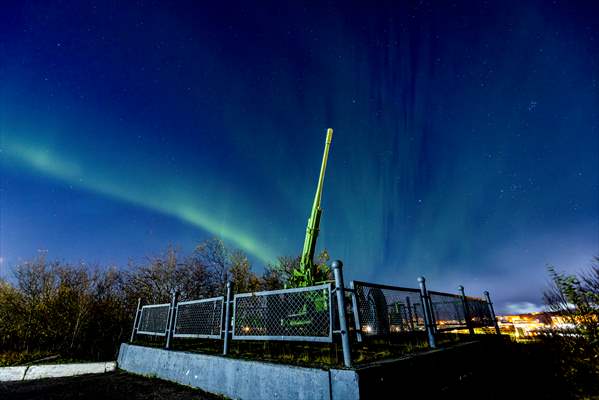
(522, 307)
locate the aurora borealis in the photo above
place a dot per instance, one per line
(466, 143)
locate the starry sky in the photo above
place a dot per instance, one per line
(466, 145)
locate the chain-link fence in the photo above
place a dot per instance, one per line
(200, 319)
(381, 310)
(399, 315)
(153, 319)
(480, 314)
(289, 314)
(447, 311)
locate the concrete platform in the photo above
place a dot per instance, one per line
(429, 373)
(239, 379)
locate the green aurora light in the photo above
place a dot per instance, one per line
(126, 188)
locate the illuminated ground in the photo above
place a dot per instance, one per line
(109, 386)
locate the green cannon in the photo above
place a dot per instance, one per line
(307, 274)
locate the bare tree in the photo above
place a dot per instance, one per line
(213, 254)
(156, 281)
(281, 273)
(244, 280)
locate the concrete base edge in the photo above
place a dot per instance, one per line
(239, 379)
(25, 373)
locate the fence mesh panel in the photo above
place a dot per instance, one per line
(448, 310)
(310, 314)
(153, 320)
(383, 310)
(480, 315)
(288, 314)
(199, 318)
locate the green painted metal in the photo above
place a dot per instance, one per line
(306, 274)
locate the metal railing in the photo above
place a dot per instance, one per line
(200, 319)
(447, 311)
(153, 319)
(381, 310)
(316, 314)
(288, 314)
(480, 313)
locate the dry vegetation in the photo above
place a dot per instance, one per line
(81, 312)
(575, 349)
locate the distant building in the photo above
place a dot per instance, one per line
(527, 326)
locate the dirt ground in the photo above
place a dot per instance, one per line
(109, 386)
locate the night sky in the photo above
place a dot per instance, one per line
(466, 145)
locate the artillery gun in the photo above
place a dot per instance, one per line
(308, 274)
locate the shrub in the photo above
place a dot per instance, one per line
(575, 342)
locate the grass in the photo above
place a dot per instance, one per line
(323, 355)
(11, 358)
(14, 358)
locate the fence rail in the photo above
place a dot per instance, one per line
(480, 313)
(200, 319)
(447, 311)
(289, 314)
(313, 314)
(381, 310)
(154, 319)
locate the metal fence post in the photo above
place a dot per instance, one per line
(340, 292)
(492, 311)
(356, 310)
(171, 319)
(409, 309)
(227, 319)
(427, 313)
(466, 310)
(432, 312)
(137, 311)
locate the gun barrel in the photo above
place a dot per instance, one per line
(314, 220)
(323, 168)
